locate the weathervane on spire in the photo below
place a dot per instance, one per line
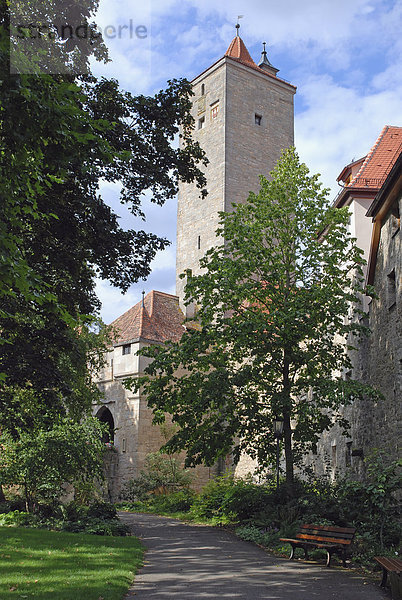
(238, 24)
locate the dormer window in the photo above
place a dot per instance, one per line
(126, 349)
(258, 119)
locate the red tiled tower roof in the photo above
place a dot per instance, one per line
(157, 319)
(237, 50)
(376, 165)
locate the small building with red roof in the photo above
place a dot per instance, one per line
(362, 179)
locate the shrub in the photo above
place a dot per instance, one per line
(209, 502)
(97, 526)
(180, 501)
(162, 472)
(265, 537)
(17, 518)
(102, 510)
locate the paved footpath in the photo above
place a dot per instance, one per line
(195, 562)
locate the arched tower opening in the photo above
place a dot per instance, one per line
(105, 416)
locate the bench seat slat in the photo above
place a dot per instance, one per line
(311, 543)
(391, 564)
(325, 534)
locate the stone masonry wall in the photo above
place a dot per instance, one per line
(238, 150)
(377, 362)
(197, 219)
(251, 149)
(135, 435)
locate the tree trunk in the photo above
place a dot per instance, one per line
(2, 497)
(287, 429)
(287, 434)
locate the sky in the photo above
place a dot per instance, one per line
(345, 58)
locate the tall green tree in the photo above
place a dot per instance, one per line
(61, 136)
(277, 302)
(41, 461)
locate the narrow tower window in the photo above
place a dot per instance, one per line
(199, 242)
(126, 349)
(395, 219)
(258, 119)
(201, 123)
(202, 89)
(391, 289)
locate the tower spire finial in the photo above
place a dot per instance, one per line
(238, 24)
(264, 62)
(143, 299)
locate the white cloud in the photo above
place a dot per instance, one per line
(340, 124)
(114, 303)
(164, 260)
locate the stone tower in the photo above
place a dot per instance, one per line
(243, 120)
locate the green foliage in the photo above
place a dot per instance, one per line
(43, 461)
(61, 137)
(97, 526)
(374, 506)
(209, 503)
(265, 537)
(102, 510)
(99, 518)
(272, 332)
(174, 502)
(162, 473)
(17, 518)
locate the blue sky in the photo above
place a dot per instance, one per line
(344, 58)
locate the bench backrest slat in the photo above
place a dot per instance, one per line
(326, 533)
(330, 528)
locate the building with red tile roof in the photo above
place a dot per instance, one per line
(155, 319)
(365, 176)
(362, 179)
(373, 192)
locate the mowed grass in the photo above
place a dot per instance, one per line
(49, 565)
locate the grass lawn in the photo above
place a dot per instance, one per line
(49, 565)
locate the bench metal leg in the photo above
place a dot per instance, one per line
(329, 555)
(292, 553)
(384, 577)
(305, 552)
(344, 557)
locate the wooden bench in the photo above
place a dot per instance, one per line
(335, 540)
(391, 565)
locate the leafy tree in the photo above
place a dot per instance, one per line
(41, 461)
(60, 137)
(277, 302)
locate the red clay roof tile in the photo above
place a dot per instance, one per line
(237, 50)
(379, 161)
(159, 320)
